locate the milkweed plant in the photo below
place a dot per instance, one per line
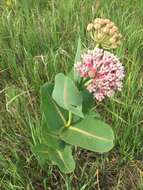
(68, 116)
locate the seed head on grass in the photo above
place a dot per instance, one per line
(102, 71)
(8, 3)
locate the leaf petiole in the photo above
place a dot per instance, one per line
(88, 82)
(69, 120)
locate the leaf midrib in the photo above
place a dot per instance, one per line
(89, 134)
(61, 157)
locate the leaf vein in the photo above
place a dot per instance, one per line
(88, 134)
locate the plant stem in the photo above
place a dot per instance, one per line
(88, 82)
(69, 120)
(97, 45)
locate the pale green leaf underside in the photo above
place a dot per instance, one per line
(66, 94)
(50, 109)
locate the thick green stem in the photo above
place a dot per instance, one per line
(69, 120)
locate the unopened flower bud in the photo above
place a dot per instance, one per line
(97, 20)
(115, 28)
(99, 36)
(119, 42)
(114, 46)
(106, 21)
(105, 30)
(108, 26)
(97, 26)
(116, 36)
(102, 22)
(120, 35)
(91, 74)
(112, 31)
(105, 33)
(111, 24)
(89, 27)
(112, 40)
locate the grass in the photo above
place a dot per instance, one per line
(39, 39)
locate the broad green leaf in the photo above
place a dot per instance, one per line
(41, 152)
(66, 95)
(77, 58)
(54, 117)
(94, 114)
(91, 134)
(51, 139)
(62, 158)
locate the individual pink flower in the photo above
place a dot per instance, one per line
(102, 71)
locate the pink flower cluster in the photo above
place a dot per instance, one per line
(102, 71)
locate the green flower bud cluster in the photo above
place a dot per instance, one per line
(105, 33)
